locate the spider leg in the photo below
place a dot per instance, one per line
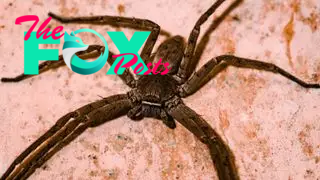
(186, 67)
(200, 47)
(81, 128)
(126, 76)
(117, 21)
(92, 119)
(45, 157)
(221, 154)
(92, 52)
(61, 129)
(216, 65)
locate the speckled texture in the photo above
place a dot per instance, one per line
(271, 124)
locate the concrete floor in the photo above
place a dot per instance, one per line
(271, 124)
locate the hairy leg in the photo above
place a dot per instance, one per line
(221, 154)
(186, 68)
(126, 76)
(216, 65)
(61, 129)
(206, 37)
(118, 21)
(45, 157)
(92, 119)
(93, 51)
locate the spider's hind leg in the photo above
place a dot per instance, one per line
(63, 127)
(221, 154)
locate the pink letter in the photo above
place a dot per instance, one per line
(28, 18)
(46, 31)
(167, 70)
(118, 65)
(154, 70)
(55, 31)
(39, 33)
(149, 65)
(128, 64)
(137, 68)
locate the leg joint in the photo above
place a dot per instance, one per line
(173, 102)
(134, 96)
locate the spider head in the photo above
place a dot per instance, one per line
(171, 51)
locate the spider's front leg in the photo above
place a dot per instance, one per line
(189, 62)
(64, 131)
(93, 51)
(217, 64)
(118, 21)
(221, 154)
(206, 37)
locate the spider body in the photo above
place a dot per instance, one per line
(152, 89)
(157, 96)
(150, 97)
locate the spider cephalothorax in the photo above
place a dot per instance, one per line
(157, 96)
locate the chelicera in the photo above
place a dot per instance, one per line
(157, 96)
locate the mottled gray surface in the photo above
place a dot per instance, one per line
(270, 123)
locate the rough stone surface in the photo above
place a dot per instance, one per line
(271, 123)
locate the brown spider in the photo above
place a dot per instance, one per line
(156, 96)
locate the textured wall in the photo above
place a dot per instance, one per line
(271, 124)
